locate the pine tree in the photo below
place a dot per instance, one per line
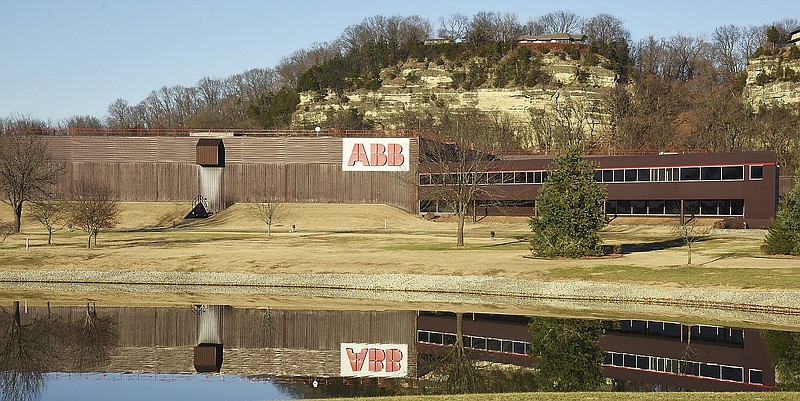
(569, 209)
(784, 232)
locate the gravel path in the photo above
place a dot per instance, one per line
(761, 307)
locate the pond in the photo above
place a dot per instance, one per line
(212, 352)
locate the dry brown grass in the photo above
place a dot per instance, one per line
(339, 238)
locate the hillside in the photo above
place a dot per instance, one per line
(553, 80)
(774, 79)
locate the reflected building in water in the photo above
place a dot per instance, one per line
(306, 345)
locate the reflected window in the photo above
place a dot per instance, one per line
(756, 376)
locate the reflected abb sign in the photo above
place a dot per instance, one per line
(373, 360)
(375, 154)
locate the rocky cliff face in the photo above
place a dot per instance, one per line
(428, 86)
(773, 81)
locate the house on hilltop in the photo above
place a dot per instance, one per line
(551, 41)
(794, 38)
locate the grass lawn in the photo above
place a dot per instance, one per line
(379, 239)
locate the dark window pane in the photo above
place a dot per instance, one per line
(427, 206)
(712, 371)
(519, 348)
(422, 336)
(655, 328)
(672, 330)
(506, 346)
(619, 175)
(424, 179)
(708, 207)
(617, 359)
(493, 345)
(733, 173)
(639, 326)
(643, 362)
(756, 376)
(623, 207)
(725, 208)
(644, 174)
(690, 173)
(608, 175)
(737, 336)
(733, 374)
(598, 176)
(436, 338)
(737, 207)
(519, 177)
(529, 177)
(672, 206)
(478, 343)
(544, 176)
(607, 358)
(629, 361)
(691, 207)
(631, 175)
(537, 177)
(639, 207)
(611, 207)
(508, 178)
(481, 178)
(655, 207)
(756, 172)
(711, 173)
(449, 339)
(495, 178)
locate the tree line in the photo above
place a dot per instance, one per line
(679, 92)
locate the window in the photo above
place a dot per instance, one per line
(519, 177)
(690, 173)
(598, 175)
(711, 173)
(737, 207)
(608, 175)
(733, 173)
(537, 176)
(619, 175)
(508, 178)
(655, 207)
(529, 176)
(639, 207)
(425, 179)
(644, 174)
(756, 376)
(733, 373)
(756, 172)
(495, 178)
(631, 174)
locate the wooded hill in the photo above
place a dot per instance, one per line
(735, 90)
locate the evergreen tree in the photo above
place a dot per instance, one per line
(567, 354)
(569, 209)
(784, 232)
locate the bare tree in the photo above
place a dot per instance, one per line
(727, 47)
(51, 213)
(6, 229)
(454, 27)
(93, 339)
(561, 21)
(458, 159)
(568, 123)
(689, 230)
(94, 207)
(27, 170)
(27, 350)
(269, 209)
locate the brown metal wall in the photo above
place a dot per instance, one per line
(296, 169)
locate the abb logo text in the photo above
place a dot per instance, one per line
(374, 360)
(375, 154)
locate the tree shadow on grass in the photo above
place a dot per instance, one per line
(654, 246)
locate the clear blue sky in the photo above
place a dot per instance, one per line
(65, 58)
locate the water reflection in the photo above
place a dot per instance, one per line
(301, 353)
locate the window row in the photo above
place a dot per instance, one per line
(475, 342)
(504, 177)
(682, 367)
(710, 207)
(715, 334)
(659, 174)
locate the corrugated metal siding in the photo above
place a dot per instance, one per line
(212, 187)
(209, 325)
(128, 166)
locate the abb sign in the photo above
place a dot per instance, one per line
(375, 154)
(373, 360)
